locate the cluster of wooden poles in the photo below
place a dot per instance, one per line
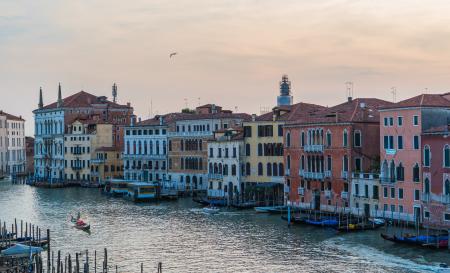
(29, 234)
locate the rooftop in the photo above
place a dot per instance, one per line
(423, 100)
(11, 117)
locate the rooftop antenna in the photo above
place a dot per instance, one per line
(349, 90)
(394, 94)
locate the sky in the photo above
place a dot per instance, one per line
(230, 52)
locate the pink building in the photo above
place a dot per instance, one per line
(436, 177)
(401, 128)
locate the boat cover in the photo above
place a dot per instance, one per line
(20, 249)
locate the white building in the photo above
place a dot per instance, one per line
(224, 159)
(12, 144)
(145, 150)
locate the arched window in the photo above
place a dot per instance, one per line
(216, 169)
(345, 138)
(400, 172)
(392, 171)
(182, 145)
(446, 156)
(247, 168)
(302, 139)
(233, 170)
(426, 156)
(281, 169)
(260, 168)
(329, 138)
(260, 149)
(288, 139)
(128, 148)
(220, 168)
(357, 138)
(274, 169)
(288, 162)
(269, 169)
(416, 173)
(247, 149)
(426, 186)
(225, 169)
(302, 162)
(447, 187)
(211, 170)
(345, 163)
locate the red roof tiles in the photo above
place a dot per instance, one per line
(84, 99)
(424, 100)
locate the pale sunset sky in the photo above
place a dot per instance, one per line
(230, 52)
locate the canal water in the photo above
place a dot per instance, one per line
(184, 239)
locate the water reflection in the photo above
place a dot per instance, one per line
(181, 236)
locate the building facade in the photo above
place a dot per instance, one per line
(12, 144)
(106, 164)
(225, 152)
(326, 149)
(401, 128)
(51, 122)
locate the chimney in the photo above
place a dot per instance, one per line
(133, 120)
(161, 120)
(349, 99)
(139, 119)
(253, 117)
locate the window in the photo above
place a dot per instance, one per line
(400, 142)
(247, 131)
(329, 163)
(392, 192)
(416, 195)
(269, 169)
(416, 143)
(426, 156)
(416, 120)
(280, 130)
(375, 192)
(386, 122)
(391, 121)
(247, 149)
(426, 214)
(357, 138)
(392, 208)
(233, 170)
(400, 121)
(446, 156)
(288, 162)
(260, 169)
(260, 149)
(446, 216)
(400, 208)
(416, 173)
(400, 172)
(358, 164)
(345, 138)
(328, 139)
(356, 189)
(400, 193)
(447, 187)
(211, 152)
(426, 186)
(302, 140)
(288, 139)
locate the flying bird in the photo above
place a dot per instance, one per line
(172, 54)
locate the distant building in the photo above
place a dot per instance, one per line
(29, 150)
(106, 164)
(12, 144)
(225, 152)
(54, 120)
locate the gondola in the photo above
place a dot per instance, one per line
(432, 241)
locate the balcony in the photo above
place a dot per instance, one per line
(301, 191)
(144, 156)
(344, 174)
(313, 148)
(328, 194)
(287, 172)
(370, 176)
(445, 199)
(344, 195)
(215, 176)
(327, 174)
(77, 167)
(190, 134)
(98, 161)
(313, 175)
(387, 180)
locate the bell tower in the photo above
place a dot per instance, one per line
(285, 97)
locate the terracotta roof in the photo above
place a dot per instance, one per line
(424, 100)
(356, 110)
(172, 117)
(84, 99)
(11, 117)
(444, 129)
(293, 112)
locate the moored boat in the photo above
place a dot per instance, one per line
(20, 250)
(141, 191)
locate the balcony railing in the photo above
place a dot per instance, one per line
(77, 167)
(387, 180)
(314, 175)
(426, 197)
(445, 199)
(301, 191)
(365, 175)
(344, 174)
(287, 172)
(344, 195)
(215, 176)
(328, 194)
(97, 161)
(327, 174)
(318, 148)
(190, 134)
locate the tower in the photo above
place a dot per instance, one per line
(114, 92)
(60, 101)
(285, 97)
(41, 101)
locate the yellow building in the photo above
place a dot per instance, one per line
(82, 138)
(106, 164)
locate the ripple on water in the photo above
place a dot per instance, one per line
(185, 239)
